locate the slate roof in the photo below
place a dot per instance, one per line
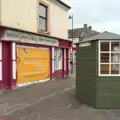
(79, 31)
(103, 36)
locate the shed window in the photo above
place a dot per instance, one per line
(109, 58)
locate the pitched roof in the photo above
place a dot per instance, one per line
(79, 31)
(64, 4)
(103, 36)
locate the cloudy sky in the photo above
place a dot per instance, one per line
(102, 15)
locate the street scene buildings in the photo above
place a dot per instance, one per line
(50, 70)
(34, 47)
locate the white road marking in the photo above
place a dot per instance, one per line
(6, 112)
(13, 106)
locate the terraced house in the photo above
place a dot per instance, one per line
(33, 41)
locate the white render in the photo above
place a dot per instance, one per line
(0, 50)
(23, 14)
(0, 61)
(14, 70)
(14, 51)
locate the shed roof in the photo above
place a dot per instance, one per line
(103, 36)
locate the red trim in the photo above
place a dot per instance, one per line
(51, 63)
(64, 44)
(67, 62)
(63, 62)
(1, 31)
(1, 81)
(74, 49)
(58, 73)
(7, 64)
(1, 85)
(68, 53)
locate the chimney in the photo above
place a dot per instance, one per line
(85, 28)
(90, 28)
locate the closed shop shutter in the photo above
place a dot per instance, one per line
(33, 64)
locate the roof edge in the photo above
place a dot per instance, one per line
(64, 4)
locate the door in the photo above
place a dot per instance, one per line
(6, 64)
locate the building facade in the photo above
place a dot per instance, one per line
(33, 46)
(98, 85)
(78, 34)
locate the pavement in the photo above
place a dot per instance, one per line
(53, 100)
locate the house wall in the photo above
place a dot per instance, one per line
(23, 14)
(86, 74)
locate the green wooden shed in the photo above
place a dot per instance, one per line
(98, 71)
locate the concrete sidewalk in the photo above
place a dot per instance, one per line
(53, 100)
(64, 107)
(26, 95)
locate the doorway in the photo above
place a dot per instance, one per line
(6, 64)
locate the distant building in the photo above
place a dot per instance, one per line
(78, 35)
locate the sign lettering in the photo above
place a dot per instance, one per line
(26, 37)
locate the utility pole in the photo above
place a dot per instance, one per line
(71, 17)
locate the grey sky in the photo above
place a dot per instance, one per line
(102, 15)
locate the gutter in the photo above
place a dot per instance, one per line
(64, 4)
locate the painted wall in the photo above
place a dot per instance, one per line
(23, 14)
(86, 74)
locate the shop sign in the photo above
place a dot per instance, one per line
(85, 44)
(29, 38)
(33, 64)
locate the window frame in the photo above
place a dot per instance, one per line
(45, 18)
(58, 65)
(110, 61)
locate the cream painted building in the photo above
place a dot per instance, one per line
(34, 45)
(24, 15)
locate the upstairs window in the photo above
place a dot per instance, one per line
(43, 17)
(109, 58)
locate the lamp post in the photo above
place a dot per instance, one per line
(71, 17)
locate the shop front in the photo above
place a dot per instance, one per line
(27, 58)
(33, 64)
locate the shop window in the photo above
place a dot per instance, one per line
(109, 55)
(43, 17)
(58, 59)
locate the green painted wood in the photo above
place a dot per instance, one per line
(91, 89)
(108, 92)
(86, 74)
